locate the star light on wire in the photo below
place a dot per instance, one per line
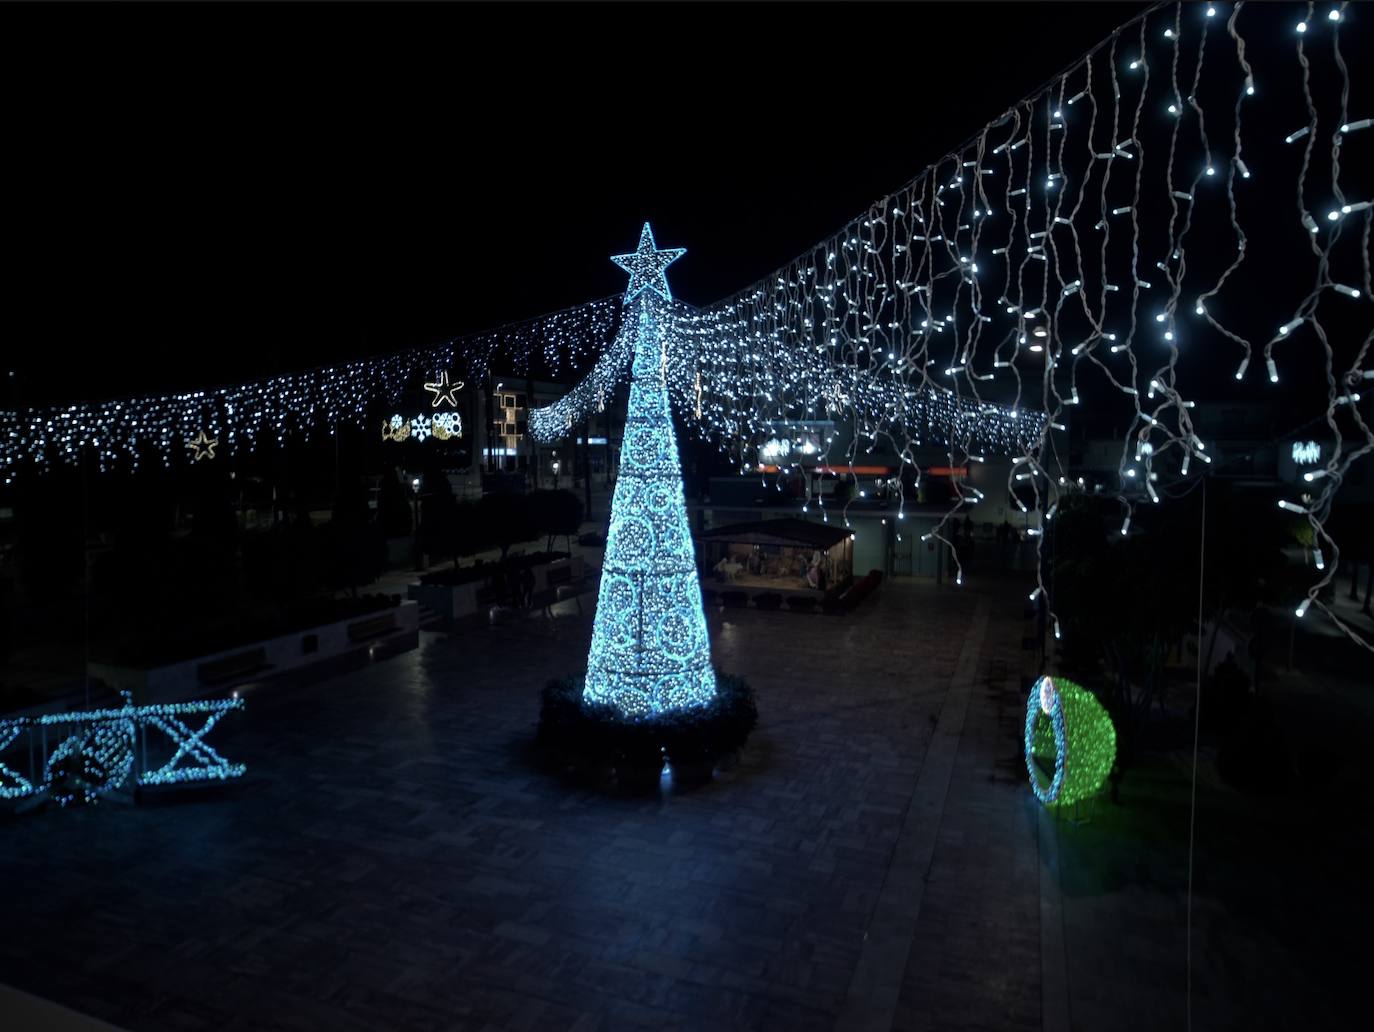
(444, 391)
(202, 446)
(647, 266)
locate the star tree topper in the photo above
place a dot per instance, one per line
(647, 266)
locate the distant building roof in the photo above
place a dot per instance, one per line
(778, 532)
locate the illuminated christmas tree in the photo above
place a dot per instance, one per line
(650, 653)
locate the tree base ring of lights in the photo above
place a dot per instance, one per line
(596, 742)
(1066, 723)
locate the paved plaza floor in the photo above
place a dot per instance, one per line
(397, 860)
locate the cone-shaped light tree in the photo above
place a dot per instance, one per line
(650, 653)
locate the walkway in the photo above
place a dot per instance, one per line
(874, 861)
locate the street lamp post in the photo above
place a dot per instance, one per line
(415, 505)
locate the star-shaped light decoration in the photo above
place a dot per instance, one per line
(203, 447)
(647, 265)
(444, 391)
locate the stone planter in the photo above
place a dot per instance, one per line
(398, 626)
(451, 603)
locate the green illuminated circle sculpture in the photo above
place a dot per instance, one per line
(1070, 742)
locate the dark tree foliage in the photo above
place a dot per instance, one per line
(1351, 527)
(437, 510)
(356, 547)
(556, 514)
(285, 563)
(208, 565)
(133, 580)
(1127, 603)
(50, 521)
(507, 519)
(468, 535)
(213, 520)
(393, 507)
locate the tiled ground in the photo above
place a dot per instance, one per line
(875, 861)
(398, 862)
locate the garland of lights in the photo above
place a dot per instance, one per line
(13, 785)
(1090, 239)
(1067, 726)
(300, 403)
(99, 757)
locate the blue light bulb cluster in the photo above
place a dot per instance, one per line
(98, 757)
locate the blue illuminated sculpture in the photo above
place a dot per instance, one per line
(100, 755)
(650, 654)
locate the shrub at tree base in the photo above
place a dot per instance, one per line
(593, 737)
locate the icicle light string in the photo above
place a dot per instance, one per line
(292, 403)
(1007, 217)
(856, 327)
(1092, 238)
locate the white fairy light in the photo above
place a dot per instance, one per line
(858, 329)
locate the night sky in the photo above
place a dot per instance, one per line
(201, 195)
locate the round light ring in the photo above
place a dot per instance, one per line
(1047, 794)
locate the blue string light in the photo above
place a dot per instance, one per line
(99, 758)
(18, 786)
(1044, 699)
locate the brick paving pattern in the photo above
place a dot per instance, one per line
(397, 860)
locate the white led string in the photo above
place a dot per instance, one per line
(1092, 238)
(982, 269)
(293, 403)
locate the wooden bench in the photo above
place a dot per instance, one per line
(248, 661)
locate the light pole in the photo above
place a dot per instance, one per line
(415, 505)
